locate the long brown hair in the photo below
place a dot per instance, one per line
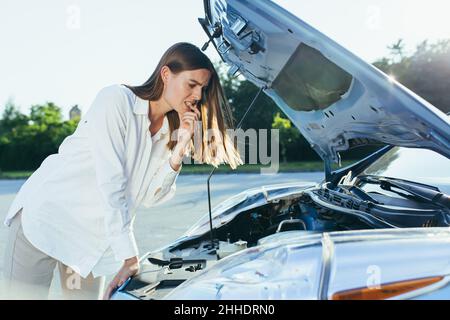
(216, 113)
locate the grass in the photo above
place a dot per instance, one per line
(303, 166)
(7, 175)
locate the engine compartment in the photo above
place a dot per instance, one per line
(304, 212)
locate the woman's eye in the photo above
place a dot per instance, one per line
(192, 86)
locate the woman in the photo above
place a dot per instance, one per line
(77, 210)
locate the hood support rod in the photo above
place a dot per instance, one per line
(214, 169)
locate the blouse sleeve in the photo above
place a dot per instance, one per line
(163, 187)
(106, 121)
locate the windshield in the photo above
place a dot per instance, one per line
(418, 165)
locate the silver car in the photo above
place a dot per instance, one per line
(378, 229)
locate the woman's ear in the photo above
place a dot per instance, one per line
(165, 73)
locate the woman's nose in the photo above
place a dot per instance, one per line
(197, 95)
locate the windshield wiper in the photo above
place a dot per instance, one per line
(417, 191)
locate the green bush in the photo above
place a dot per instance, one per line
(25, 141)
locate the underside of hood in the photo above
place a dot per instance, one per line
(334, 98)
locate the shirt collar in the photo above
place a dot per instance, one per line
(162, 131)
(141, 107)
(165, 126)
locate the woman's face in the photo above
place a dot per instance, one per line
(184, 87)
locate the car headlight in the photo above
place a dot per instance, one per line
(266, 272)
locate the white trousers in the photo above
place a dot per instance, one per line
(28, 272)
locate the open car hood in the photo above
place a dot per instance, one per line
(334, 98)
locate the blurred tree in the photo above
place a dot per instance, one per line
(11, 118)
(426, 71)
(26, 141)
(289, 134)
(240, 94)
(397, 50)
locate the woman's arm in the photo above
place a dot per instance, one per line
(162, 188)
(177, 156)
(129, 268)
(106, 122)
(184, 136)
(185, 132)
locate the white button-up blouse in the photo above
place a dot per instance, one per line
(79, 205)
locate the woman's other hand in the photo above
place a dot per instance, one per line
(129, 268)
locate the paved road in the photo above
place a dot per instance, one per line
(155, 227)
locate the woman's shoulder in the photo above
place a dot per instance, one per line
(117, 90)
(118, 93)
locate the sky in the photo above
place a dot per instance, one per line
(66, 51)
